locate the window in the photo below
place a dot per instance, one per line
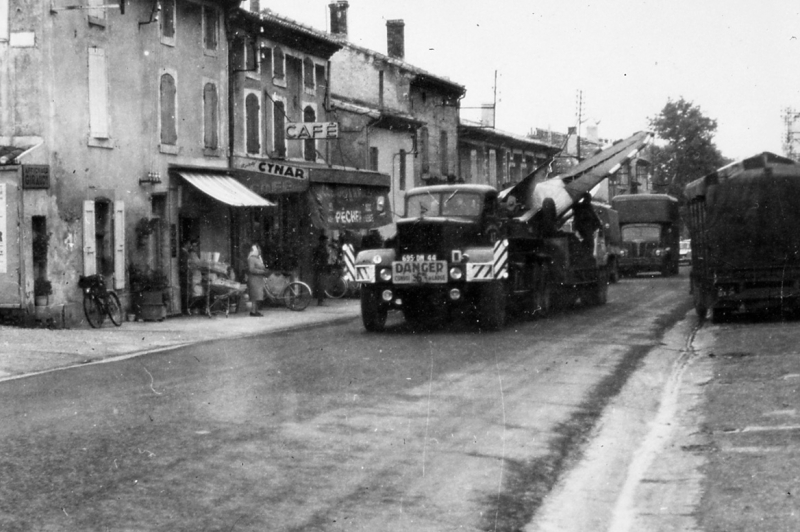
(424, 150)
(210, 28)
(168, 22)
(210, 117)
(402, 184)
(320, 74)
(168, 101)
(96, 12)
(253, 125)
(444, 165)
(278, 64)
(310, 145)
(279, 123)
(251, 62)
(373, 158)
(98, 94)
(308, 73)
(3, 20)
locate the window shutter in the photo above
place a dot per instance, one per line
(119, 245)
(98, 94)
(89, 244)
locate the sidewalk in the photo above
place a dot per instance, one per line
(27, 351)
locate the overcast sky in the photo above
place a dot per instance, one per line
(738, 61)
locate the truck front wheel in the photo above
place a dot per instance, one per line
(492, 306)
(373, 312)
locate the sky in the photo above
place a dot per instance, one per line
(739, 62)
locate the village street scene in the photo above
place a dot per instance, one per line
(331, 265)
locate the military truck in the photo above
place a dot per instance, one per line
(465, 246)
(744, 220)
(650, 227)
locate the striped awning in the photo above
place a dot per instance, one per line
(225, 189)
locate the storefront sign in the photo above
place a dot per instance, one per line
(312, 130)
(350, 207)
(35, 176)
(266, 177)
(3, 233)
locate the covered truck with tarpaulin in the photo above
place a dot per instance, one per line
(745, 229)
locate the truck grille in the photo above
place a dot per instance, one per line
(640, 249)
(431, 236)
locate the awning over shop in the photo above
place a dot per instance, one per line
(225, 189)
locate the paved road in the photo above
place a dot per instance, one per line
(326, 429)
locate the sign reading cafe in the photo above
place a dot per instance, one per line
(312, 130)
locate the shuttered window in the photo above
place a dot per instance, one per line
(210, 117)
(252, 115)
(98, 94)
(279, 118)
(169, 131)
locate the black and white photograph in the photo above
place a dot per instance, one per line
(383, 266)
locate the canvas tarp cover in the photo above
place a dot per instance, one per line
(753, 220)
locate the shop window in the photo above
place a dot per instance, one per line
(210, 28)
(252, 119)
(373, 158)
(403, 170)
(210, 117)
(308, 74)
(168, 22)
(279, 123)
(424, 150)
(444, 162)
(98, 94)
(168, 101)
(309, 145)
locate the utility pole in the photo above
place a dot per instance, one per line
(790, 142)
(580, 118)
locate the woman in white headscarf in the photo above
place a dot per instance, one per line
(256, 271)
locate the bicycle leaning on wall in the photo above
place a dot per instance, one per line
(99, 302)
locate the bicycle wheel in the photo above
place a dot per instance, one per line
(336, 287)
(114, 309)
(93, 310)
(296, 296)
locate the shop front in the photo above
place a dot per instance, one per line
(214, 212)
(311, 199)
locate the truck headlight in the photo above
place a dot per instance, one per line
(456, 273)
(387, 295)
(386, 274)
(623, 252)
(659, 252)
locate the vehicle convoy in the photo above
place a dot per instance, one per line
(467, 246)
(650, 229)
(744, 221)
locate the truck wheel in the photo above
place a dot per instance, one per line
(492, 306)
(373, 313)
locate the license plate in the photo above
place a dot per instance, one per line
(420, 272)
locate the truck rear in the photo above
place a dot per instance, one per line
(745, 228)
(650, 231)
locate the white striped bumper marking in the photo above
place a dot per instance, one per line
(349, 262)
(501, 259)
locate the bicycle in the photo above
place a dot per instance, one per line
(336, 286)
(99, 302)
(284, 288)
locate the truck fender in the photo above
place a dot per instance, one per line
(368, 256)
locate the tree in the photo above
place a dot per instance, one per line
(689, 151)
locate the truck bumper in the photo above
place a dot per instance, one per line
(449, 295)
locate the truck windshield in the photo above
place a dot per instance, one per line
(645, 233)
(460, 203)
(421, 205)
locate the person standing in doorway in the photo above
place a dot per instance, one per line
(256, 271)
(319, 261)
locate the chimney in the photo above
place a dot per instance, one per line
(395, 39)
(255, 6)
(339, 17)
